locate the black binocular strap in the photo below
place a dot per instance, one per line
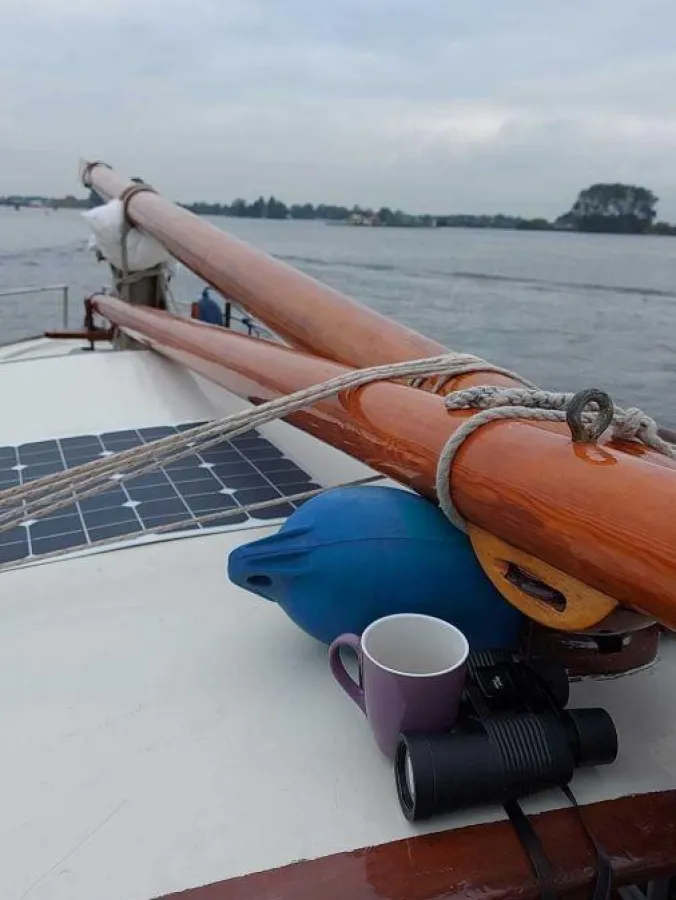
(604, 866)
(542, 868)
(533, 846)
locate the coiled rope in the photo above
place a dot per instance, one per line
(588, 414)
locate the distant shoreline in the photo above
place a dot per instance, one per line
(655, 231)
(601, 209)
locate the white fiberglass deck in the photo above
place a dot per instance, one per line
(163, 729)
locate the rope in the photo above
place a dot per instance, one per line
(91, 478)
(470, 365)
(86, 173)
(186, 523)
(170, 299)
(46, 495)
(127, 278)
(500, 404)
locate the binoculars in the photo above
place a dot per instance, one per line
(514, 737)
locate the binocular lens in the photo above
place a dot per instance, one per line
(405, 777)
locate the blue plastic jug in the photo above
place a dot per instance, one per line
(352, 555)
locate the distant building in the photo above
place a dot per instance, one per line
(363, 219)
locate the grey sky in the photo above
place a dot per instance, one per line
(429, 105)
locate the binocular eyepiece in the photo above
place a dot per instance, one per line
(514, 738)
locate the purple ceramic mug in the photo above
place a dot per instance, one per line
(412, 671)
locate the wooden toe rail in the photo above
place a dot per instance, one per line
(482, 861)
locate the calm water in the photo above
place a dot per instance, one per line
(567, 311)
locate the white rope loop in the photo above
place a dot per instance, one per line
(500, 404)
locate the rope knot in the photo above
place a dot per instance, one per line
(588, 414)
(634, 425)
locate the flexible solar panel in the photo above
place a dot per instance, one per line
(227, 476)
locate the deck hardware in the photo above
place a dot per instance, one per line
(588, 432)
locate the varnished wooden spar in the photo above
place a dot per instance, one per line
(304, 312)
(596, 514)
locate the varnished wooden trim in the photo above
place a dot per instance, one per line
(584, 607)
(483, 861)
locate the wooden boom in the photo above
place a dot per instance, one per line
(304, 312)
(596, 515)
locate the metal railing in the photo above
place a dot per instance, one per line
(63, 288)
(232, 311)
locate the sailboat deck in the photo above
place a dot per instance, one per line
(164, 729)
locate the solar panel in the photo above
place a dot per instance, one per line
(228, 475)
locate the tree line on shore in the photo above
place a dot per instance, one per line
(355, 215)
(604, 207)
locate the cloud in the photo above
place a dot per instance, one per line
(412, 103)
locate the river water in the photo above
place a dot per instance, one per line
(567, 311)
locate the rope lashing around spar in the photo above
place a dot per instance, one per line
(588, 414)
(46, 495)
(128, 278)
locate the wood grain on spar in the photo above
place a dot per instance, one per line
(600, 515)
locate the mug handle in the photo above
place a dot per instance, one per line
(351, 688)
